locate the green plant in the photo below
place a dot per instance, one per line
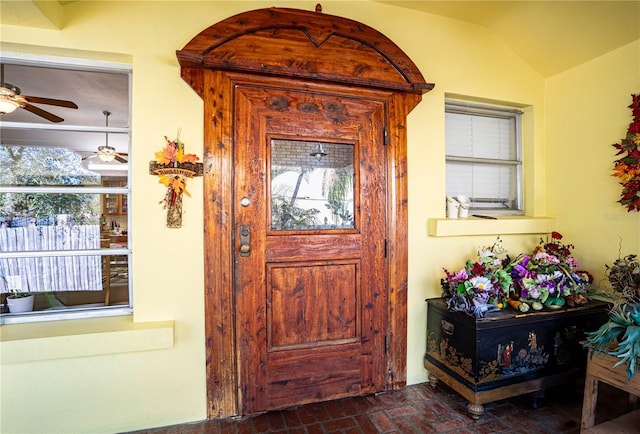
(11, 288)
(623, 327)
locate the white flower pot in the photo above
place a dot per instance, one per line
(452, 209)
(20, 304)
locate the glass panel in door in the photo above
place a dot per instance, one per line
(311, 185)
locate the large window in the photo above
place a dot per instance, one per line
(64, 189)
(483, 156)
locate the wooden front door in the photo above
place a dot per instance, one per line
(310, 220)
(303, 302)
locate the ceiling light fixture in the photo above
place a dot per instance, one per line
(8, 101)
(106, 153)
(318, 152)
(7, 105)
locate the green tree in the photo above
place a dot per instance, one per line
(43, 166)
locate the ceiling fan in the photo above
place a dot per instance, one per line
(11, 99)
(105, 152)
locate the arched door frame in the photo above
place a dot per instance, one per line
(307, 47)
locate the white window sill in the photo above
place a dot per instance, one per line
(81, 337)
(501, 225)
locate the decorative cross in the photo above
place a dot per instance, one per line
(173, 166)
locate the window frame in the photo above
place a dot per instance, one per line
(493, 111)
(89, 66)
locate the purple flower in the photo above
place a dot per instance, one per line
(461, 275)
(519, 270)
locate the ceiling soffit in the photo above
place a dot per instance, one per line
(551, 36)
(40, 14)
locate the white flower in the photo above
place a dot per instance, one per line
(481, 283)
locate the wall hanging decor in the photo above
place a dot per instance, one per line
(172, 167)
(627, 167)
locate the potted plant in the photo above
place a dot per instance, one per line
(620, 336)
(17, 300)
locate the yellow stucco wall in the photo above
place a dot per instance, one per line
(133, 386)
(587, 111)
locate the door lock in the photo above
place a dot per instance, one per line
(245, 240)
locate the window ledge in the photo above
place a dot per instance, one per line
(81, 338)
(501, 225)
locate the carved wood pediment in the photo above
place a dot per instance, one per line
(304, 45)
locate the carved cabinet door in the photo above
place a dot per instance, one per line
(310, 226)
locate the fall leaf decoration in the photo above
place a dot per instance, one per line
(174, 152)
(627, 167)
(176, 184)
(173, 166)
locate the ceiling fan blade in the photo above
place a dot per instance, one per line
(121, 159)
(42, 113)
(50, 101)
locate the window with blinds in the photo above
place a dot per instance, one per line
(483, 156)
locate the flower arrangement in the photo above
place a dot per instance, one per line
(482, 285)
(624, 277)
(627, 167)
(173, 166)
(620, 336)
(549, 276)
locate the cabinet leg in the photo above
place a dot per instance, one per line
(475, 410)
(535, 396)
(433, 380)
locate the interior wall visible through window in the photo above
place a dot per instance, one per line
(64, 188)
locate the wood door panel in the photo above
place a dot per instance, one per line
(298, 246)
(312, 304)
(337, 378)
(306, 113)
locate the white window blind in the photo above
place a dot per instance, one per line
(483, 150)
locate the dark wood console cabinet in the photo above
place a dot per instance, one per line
(507, 353)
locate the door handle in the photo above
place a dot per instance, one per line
(245, 240)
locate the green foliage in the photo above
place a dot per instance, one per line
(339, 185)
(286, 216)
(42, 166)
(623, 327)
